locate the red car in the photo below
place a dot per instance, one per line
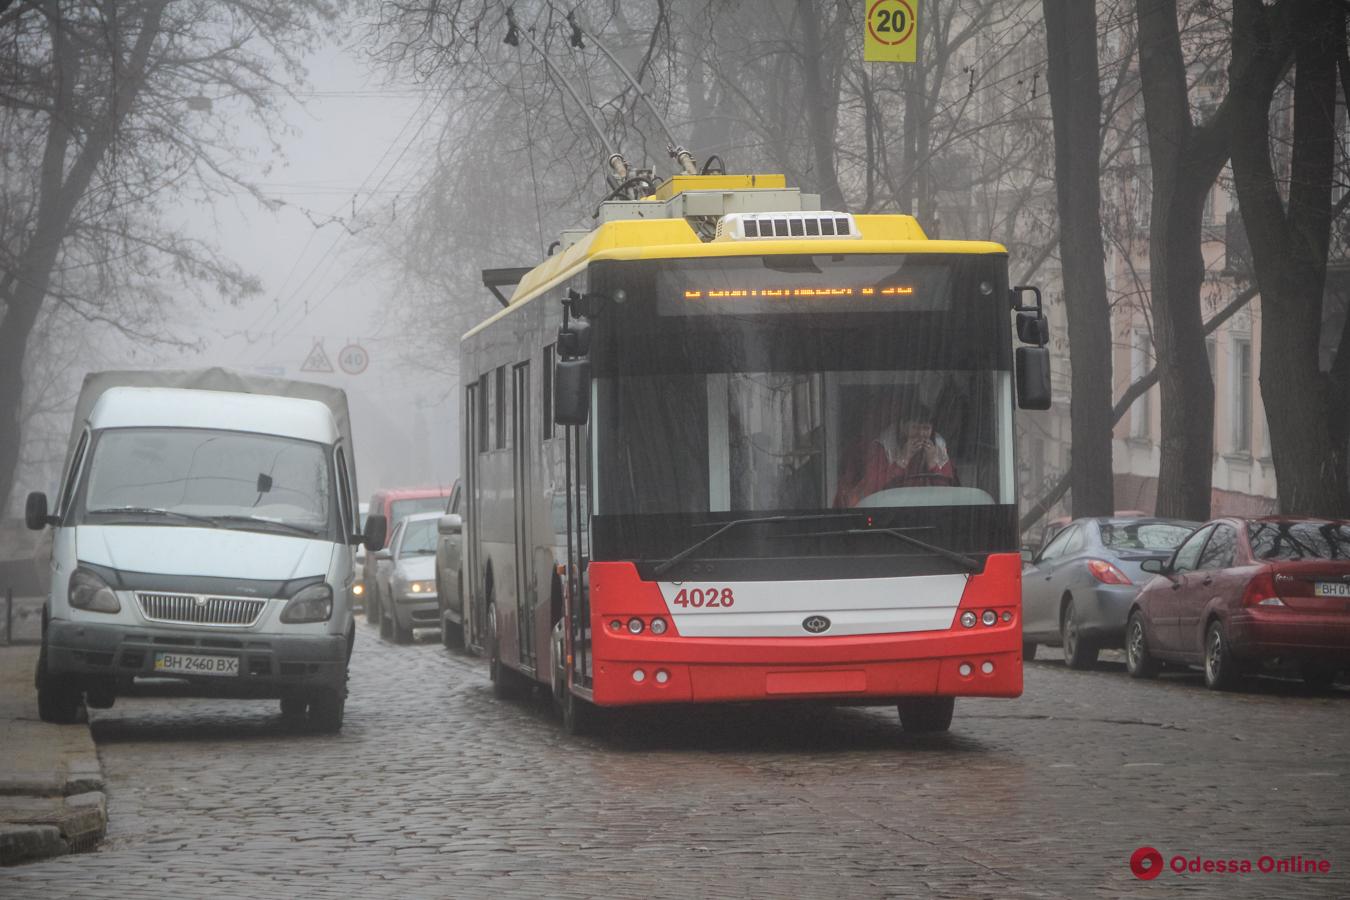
(1242, 592)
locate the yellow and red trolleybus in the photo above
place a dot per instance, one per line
(663, 433)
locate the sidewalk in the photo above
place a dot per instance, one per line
(51, 785)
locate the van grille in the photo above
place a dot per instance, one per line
(198, 609)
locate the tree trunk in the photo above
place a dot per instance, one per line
(1290, 245)
(821, 102)
(1075, 103)
(1185, 161)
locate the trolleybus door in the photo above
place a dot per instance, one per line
(578, 551)
(526, 581)
(473, 506)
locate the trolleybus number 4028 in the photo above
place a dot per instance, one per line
(700, 598)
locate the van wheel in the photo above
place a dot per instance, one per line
(452, 633)
(372, 607)
(507, 684)
(926, 715)
(326, 709)
(59, 698)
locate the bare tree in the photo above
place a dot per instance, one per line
(107, 104)
(1288, 217)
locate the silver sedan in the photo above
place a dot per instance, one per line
(1077, 590)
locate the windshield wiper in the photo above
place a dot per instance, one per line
(970, 564)
(727, 526)
(152, 511)
(258, 520)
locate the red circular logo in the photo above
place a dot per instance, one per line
(1146, 863)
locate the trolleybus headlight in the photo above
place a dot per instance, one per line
(616, 625)
(968, 619)
(1007, 615)
(662, 676)
(639, 676)
(658, 627)
(635, 625)
(965, 670)
(987, 667)
(989, 617)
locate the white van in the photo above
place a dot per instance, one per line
(203, 534)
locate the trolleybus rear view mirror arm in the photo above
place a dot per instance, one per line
(1032, 326)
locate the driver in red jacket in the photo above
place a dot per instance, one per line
(906, 453)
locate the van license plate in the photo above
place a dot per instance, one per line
(1331, 589)
(191, 664)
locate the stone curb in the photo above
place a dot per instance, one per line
(72, 824)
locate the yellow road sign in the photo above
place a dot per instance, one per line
(891, 31)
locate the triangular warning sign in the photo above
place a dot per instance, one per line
(317, 361)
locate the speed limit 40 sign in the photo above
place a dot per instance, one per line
(891, 31)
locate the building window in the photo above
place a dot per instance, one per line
(1242, 396)
(1141, 357)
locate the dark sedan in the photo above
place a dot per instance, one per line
(1077, 591)
(1240, 593)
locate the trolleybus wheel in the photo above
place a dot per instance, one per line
(924, 715)
(579, 717)
(507, 684)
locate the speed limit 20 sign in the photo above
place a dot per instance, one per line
(891, 31)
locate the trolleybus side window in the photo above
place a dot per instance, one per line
(486, 411)
(549, 426)
(499, 411)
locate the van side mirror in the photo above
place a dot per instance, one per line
(35, 512)
(1033, 377)
(377, 529)
(451, 523)
(1156, 566)
(571, 391)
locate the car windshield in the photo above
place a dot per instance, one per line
(1299, 540)
(404, 508)
(230, 475)
(419, 538)
(1144, 535)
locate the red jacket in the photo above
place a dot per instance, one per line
(878, 471)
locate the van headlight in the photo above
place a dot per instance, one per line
(311, 604)
(88, 591)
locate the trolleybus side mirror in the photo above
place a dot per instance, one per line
(1033, 377)
(377, 529)
(571, 391)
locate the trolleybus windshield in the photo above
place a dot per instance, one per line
(739, 387)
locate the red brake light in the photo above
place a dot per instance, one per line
(1107, 573)
(1260, 588)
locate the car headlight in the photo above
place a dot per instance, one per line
(88, 591)
(311, 604)
(358, 589)
(421, 587)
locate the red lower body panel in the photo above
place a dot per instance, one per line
(644, 668)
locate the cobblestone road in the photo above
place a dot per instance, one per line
(435, 789)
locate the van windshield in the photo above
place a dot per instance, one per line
(227, 477)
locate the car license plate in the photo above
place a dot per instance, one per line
(1331, 589)
(191, 664)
